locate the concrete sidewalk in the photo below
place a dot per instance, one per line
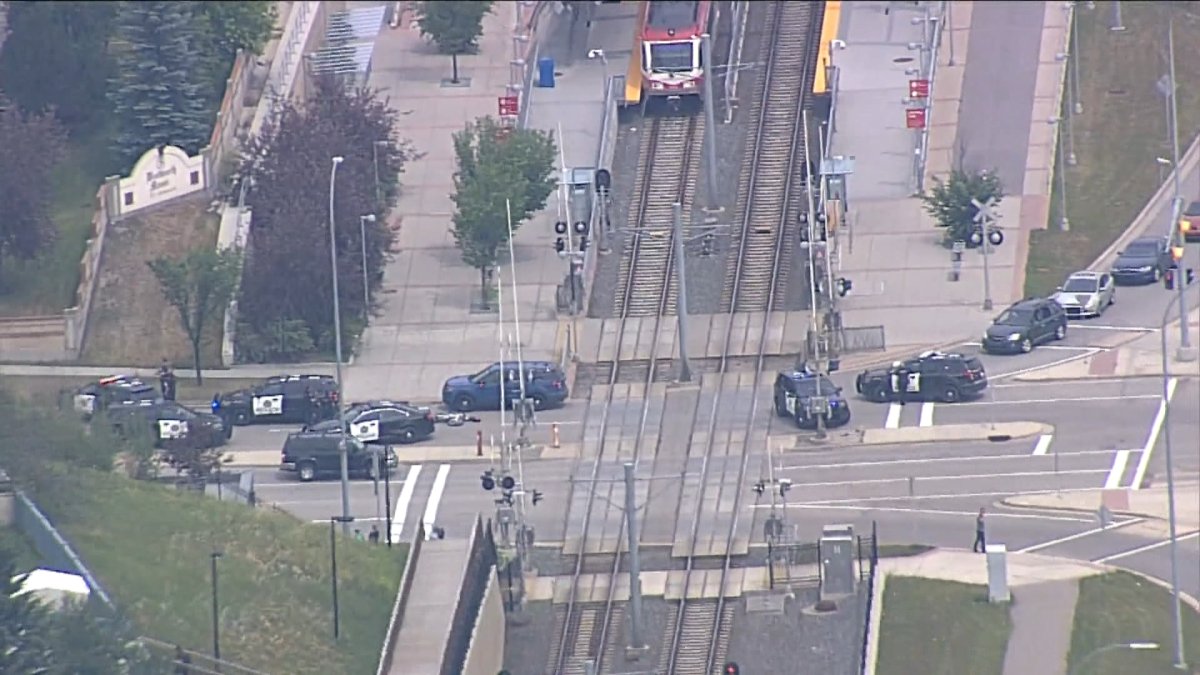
(1148, 503)
(1140, 357)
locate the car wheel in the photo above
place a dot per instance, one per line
(1060, 333)
(408, 435)
(1026, 346)
(951, 395)
(464, 403)
(539, 403)
(241, 418)
(307, 470)
(879, 395)
(1156, 274)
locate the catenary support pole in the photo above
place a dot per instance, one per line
(685, 368)
(635, 563)
(1176, 613)
(710, 132)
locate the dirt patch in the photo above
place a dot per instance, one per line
(131, 323)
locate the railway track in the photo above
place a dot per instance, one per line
(667, 165)
(699, 634)
(777, 146)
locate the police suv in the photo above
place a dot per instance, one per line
(169, 424)
(932, 376)
(795, 389)
(305, 399)
(97, 396)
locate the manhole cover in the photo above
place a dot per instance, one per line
(902, 59)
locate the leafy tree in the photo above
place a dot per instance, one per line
(226, 27)
(31, 147)
(288, 276)
(454, 26)
(497, 167)
(158, 93)
(199, 286)
(949, 201)
(56, 57)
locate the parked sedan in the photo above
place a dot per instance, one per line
(1144, 261)
(1086, 294)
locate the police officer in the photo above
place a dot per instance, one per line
(166, 380)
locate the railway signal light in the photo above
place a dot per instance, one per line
(560, 245)
(731, 668)
(1169, 280)
(603, 180)
(581, 227)
(508, 482)
(844, 286)
(560, 227)
(707, 243)
(487, 481)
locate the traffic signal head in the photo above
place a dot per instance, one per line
(560, 227)
(603, 180)
(731, 668)
(1169, 280)
(508, 482)
(583, 243)
(560, 245)
(1186, 225)
(1177, 252)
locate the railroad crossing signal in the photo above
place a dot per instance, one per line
(731, 668)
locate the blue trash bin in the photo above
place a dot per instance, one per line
(546, 72)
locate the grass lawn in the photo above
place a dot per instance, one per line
(47, 285)
(940, 628)
(25, 557)
(150, 547)
(1122, 130)
(1119, 608)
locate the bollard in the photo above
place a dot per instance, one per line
(554, 435)
(479, 444)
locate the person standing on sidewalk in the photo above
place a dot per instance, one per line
(980, 545)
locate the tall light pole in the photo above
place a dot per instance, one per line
(345, 521)
(375, 162)
(337, 347)
(1167, 390)
(1133, 646)
(710, 131)
(1185, 351)
(362, 236)
(216, 633)
(1074, 52)
(1064, 222)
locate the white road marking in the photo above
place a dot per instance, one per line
(1091, 351)
(1073, 399)
(927, 460)
(893, 416)
(1117, 472)
(1060, 383)
(1080, 535)
(941, 512)
(966, 476)
(1043, 444)
(927, 414)
(357, 519)
(1148, 547)
(1152, 440)
(435, 498)
(1123, 329)
(402, 501)
(1060, 348)
(960, 495)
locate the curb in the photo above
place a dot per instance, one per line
(1074, 509)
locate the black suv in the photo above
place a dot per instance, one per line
(313, 453)
(383, 423)
(1144, 261)
(169, 424)
(794, 389)
(1025, 325)
(298, 399)
(932, 376)
(97, 396)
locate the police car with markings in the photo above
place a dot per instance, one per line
(97, 396)
(931, 376)
(383, 423)
(795, 389)
(284, 399)
(169, 424)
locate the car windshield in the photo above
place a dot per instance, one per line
(1014, 317)
(479, 376)
(808, 386)
(1142, 249)
(1081, 285)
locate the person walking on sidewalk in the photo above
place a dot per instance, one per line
(980, 545)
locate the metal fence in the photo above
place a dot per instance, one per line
(871, 576)
(52, 547)
(861, 339)
(481, 566)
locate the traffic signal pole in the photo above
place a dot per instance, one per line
(1185, 351)
(685, 368)
(635, 564)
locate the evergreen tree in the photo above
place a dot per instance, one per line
(30, 147)
(158, 92)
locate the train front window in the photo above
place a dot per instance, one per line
(671, 57)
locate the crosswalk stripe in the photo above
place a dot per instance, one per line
(435, 498)
(402, 501)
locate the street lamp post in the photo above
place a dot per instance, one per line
(1185, 351)
(337, 345)
(362, 236)
(1172, 532)
(1064, 222)
(375, 162)
(216, 633)
(345, 521)
(1074, 52)
(1133, 646)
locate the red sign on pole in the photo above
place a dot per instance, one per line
(918, 88)
(914, 118)
(510, 106)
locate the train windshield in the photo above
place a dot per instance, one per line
(670, 57)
